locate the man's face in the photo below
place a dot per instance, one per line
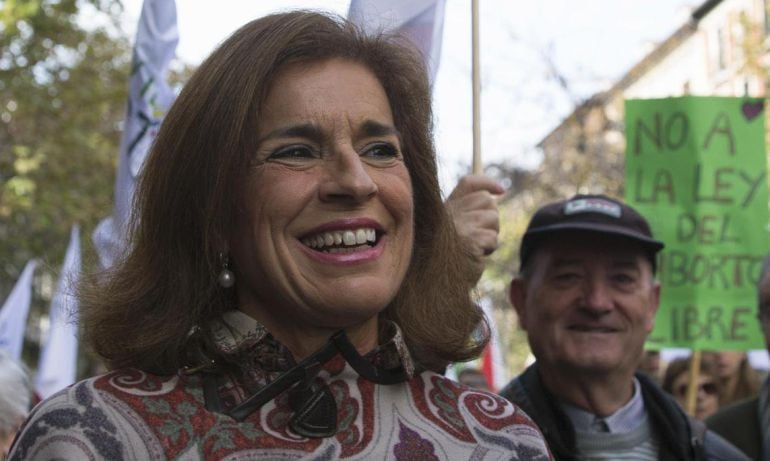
(588, 303)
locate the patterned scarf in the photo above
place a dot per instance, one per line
(244, 367)
(240, 340)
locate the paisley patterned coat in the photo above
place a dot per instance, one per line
(132, 415)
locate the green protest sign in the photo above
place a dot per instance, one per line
(696, 168)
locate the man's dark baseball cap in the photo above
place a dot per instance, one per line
(588, 213)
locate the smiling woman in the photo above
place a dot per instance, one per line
(290, 259)
(328, 168)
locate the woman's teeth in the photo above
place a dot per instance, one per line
(346, 238)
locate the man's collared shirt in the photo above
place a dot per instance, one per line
(627, 418)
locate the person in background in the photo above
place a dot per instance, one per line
(677, 379)
(294, 286)
(586, 295)
(473, 377)
(739, 380)
(650, 365)
(746, 424)
(15, 399)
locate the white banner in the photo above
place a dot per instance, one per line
(13, 315)
(422, 21)
(149, 99)
(58, 357)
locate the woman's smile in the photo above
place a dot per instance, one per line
(348, 241)
(341, 241)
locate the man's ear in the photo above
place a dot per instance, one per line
(655, 303)
(518, 296)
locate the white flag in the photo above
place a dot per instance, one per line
(149, 99)
(13, 315)
(58, 358)
(422, 21)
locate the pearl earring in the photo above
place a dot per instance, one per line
(226, 277)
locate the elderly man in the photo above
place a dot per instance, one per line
(587, 296)
(746, 424)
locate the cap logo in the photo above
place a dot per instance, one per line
(592, 205)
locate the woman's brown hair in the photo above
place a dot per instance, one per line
(139, 313)
(682, 365)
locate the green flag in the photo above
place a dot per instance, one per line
(696, 169)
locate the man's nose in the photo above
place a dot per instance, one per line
(347, 178)
(597, 294)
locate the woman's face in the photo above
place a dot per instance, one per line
(707, 400)
(728, 362)
(324, 236)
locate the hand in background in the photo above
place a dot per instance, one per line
(473, 208)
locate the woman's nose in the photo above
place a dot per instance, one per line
(347, 178)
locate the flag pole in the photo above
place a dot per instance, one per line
(476, 88)
(692, 387)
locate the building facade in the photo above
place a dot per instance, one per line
(719, 51)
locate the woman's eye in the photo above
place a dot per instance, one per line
(292, 153)
(381, 151)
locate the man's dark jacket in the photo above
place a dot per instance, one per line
(739, 425)
(681, 437)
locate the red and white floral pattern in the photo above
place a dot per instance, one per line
(132, 415)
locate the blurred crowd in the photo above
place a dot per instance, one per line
(725, 377)
(16, 398)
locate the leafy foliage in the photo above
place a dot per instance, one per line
(63, 83)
